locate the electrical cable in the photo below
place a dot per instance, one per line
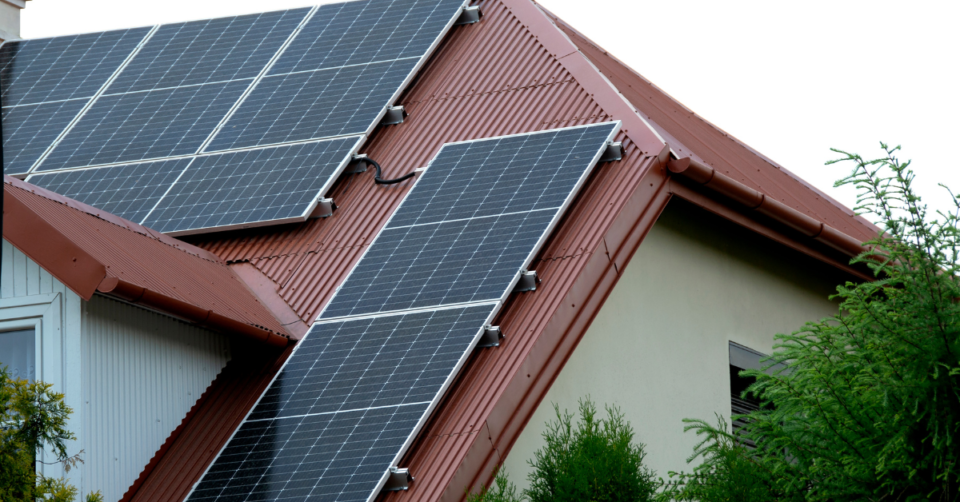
(380, 181)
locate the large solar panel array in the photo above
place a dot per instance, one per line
(137, 100)
(352, 397)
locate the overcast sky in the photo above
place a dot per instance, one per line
(791, 79)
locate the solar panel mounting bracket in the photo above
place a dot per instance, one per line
(394, 116)
(612, 153)
(469, 15)
(528, 281)
(399, 480)
(357, 165)
(492, 337)
(324, 209)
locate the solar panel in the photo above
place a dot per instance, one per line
(55, 69)
(467, 228)
(362, 32)
(145, 125)
(303, 106)
(184, 90)
(29, 129)
(240, 189)
(440, 264)
(343, 408)
(214, 50)
(352, 397)
(129, 191)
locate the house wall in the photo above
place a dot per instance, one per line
(30, 298)
(129, 374)
(658, 348)
(142, 372)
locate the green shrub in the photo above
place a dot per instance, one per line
(869, 407)
(33, 418)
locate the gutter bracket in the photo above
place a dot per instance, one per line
(492, 336)
(469, 15)
(528, 281)
(394, 116)
(613, 152)
(399, 480)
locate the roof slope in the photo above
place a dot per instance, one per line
(691, 135)
(93, 251)
(513, 72)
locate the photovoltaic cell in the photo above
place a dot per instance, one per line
(129, 191)
(251, 186)
(201, 52)
(338, 414)
(54, 69)
(29, 130)
(440, 264)
(333, 457)
(145, 125)
(363, 32)
(311, 105)
(498, 176)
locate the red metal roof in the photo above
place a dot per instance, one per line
(513, 72)
(91, 251)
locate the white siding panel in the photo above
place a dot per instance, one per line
(142, 373)
(30, 297)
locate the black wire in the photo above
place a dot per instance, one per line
(381, 181)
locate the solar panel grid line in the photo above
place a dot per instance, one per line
(407, 201)
(51, 102)
(256, 80)
(354, 65)
(94, 98)
(419, 403)
(189, 155)
(408, 440)
(395, 95)
(347, 147)
(187, 86)
(56, 65)
(166, 192)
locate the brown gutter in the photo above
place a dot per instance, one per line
(778, 211)
(138, 295)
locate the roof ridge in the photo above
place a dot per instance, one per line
(113, 219)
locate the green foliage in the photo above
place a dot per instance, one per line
(595, 461)
(869, 407)
(33, 418)
(502, 491)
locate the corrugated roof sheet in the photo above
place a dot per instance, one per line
(142, 257)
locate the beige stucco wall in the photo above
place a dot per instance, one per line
(659, 346)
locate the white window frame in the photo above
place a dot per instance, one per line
(58, 360)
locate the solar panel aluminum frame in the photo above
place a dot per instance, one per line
(536, 248)
(496, 305)
(321, 193)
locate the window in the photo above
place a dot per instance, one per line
(743, 358)
(18, 352)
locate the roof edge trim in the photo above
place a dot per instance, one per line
(768, 206)
(112, 218)
(586, 75)
(131, 293)
(51, 249)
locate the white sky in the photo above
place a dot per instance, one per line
(791, 79)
